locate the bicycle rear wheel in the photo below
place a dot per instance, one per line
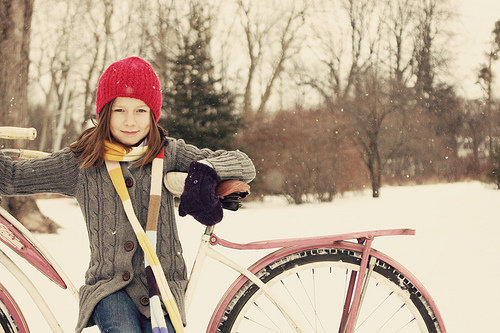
(313, 283)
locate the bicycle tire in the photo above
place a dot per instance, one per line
(7, 323)
(11, 318)
(403, 297)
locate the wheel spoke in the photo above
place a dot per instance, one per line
(268, 317)
(375, 310)
(408, 323)
(297, 303)
(315, 304)
(261, 325)
(392, 316)
(316, 318)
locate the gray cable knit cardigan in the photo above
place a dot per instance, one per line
(116, 259)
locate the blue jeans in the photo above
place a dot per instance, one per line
(117, 313)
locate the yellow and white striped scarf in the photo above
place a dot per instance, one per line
(157, 283)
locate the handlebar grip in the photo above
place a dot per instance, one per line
(23, 153)
(7, 132)
(27, 154)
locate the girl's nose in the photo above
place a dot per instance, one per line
(130, 118)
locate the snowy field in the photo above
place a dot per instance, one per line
(454, 254)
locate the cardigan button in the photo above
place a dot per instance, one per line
(129, 246)
(145, 300)
(129, 182)
(126, 276)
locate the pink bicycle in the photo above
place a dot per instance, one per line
(336, 283)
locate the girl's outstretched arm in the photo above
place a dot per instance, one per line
(56, 173)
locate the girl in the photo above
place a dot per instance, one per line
(115, 171)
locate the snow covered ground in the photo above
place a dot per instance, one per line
(454, 254)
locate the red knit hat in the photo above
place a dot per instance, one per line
(130, 77)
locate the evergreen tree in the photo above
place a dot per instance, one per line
(198, 109)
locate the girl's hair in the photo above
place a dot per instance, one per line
(90, 145)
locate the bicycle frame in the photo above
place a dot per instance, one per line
(356, 287)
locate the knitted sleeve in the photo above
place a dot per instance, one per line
(228, 164)
(56, 173)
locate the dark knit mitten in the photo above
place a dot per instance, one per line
(199, 199)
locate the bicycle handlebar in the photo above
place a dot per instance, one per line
(12, 133)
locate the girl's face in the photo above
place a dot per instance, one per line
(130, 120)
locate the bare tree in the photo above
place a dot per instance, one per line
(58, 48)
(344, 52)
(399, 24)
(381, 59)
(223, 28)
(99, 51)
(162, 38)
(377, 137)
(259, 32)
(15, 21)
(72, 52)
(356, 87)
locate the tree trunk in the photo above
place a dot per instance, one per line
(376, 184)
(375, 176)
(15, 26)
(15, 19)
(374, 165)
(26, 211)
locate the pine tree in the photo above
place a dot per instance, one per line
(198, 110)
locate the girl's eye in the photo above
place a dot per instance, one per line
(117, 110)
(141, 110)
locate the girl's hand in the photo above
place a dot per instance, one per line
(199, 199)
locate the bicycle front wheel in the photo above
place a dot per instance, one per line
(7, 322)
(313, 283)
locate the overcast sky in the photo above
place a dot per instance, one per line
(475, 23)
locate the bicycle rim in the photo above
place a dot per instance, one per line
(313, 285)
